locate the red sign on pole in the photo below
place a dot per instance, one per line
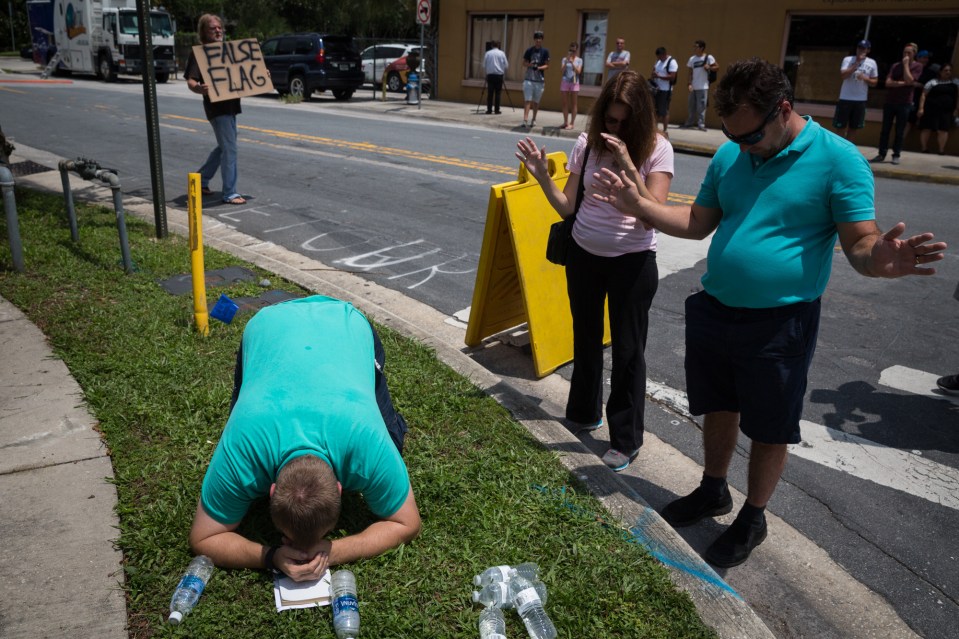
(423, 11)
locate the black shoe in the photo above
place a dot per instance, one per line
(489, 113)
(736, 543)
(878, 159)
(698, 504)
(497, 112)
(949, 384)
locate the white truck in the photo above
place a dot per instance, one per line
(99, 37)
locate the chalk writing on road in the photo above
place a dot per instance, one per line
(421, 261)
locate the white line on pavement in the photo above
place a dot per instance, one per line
(913, 381)
(856, 456)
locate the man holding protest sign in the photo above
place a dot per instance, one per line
(222, 116)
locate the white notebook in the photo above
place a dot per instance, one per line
(291, 594)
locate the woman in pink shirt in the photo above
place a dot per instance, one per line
(613, 256)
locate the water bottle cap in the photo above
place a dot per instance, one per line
(477, 580)
(175, 617)
(475, 596)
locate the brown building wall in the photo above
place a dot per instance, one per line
(732, 29)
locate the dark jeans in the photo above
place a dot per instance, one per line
(630, 282)
(395, 423)
(899, 112)
(494, 82)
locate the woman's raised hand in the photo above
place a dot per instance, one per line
(534, 158)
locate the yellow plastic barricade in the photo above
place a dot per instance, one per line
(514, 282)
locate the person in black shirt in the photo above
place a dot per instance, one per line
(222, 117)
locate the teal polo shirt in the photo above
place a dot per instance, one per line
(308, 389)
(775, 240)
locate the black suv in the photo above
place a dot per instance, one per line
(301, 63)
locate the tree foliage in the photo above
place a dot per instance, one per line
(359, 18)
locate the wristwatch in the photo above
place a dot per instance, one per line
(268, 563)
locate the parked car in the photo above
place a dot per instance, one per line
(301, 63)
(396, 75)
(377, 57)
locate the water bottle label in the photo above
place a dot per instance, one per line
(496, 635)
(525, 599)
(504, 571)
(192, 582)
(345, 603)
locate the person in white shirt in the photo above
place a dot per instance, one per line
(664, 77)
(495, 64)
(617, 61)
(858, 73)
(700, 64)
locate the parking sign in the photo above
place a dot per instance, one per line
(423, 11)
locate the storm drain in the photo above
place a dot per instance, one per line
(26, 167)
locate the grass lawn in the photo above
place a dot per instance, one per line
(488, 492)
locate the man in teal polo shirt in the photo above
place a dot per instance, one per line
(776, 197)
(311, 417)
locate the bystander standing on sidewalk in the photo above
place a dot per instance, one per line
(899, 86)
(858, 73)
(536, 61)
(495, 64)
(569, 85)
(700, 65)
(664, 77)
(617, 61)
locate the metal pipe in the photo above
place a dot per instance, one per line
(13, 226)
(111, 178)
(88, 169)
(65, 167)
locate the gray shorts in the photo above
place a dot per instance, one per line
(533, 91)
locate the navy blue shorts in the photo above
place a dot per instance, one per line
(750, 361)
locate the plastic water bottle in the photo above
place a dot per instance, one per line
(497, 594)
(530, 608)
(492, 575)
(190, 588)
(346, 609)
(492, 625)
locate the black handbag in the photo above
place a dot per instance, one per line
(561, 233)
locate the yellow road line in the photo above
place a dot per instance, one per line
(367, 147)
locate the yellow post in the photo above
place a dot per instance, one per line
(200, 314)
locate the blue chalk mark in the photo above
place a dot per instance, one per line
(700, 570)
(637, 535)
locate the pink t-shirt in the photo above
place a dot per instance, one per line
(600, 228)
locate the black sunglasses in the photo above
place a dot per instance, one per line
(753, 138)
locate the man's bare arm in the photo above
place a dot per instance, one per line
(691, 222)
(875, 254)
(399, 528)
(222, 544)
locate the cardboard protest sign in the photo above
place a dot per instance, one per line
(233, 69)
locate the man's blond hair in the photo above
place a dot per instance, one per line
(306, 503)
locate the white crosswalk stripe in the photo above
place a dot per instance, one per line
(908, 472)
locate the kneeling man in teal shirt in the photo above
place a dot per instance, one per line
(311, 417)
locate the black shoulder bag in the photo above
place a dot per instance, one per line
(561, 233)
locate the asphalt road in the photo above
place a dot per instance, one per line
(404, 204)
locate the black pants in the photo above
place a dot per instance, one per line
(395, 423)
(899, 113)
(494, 85)
(630, 282)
